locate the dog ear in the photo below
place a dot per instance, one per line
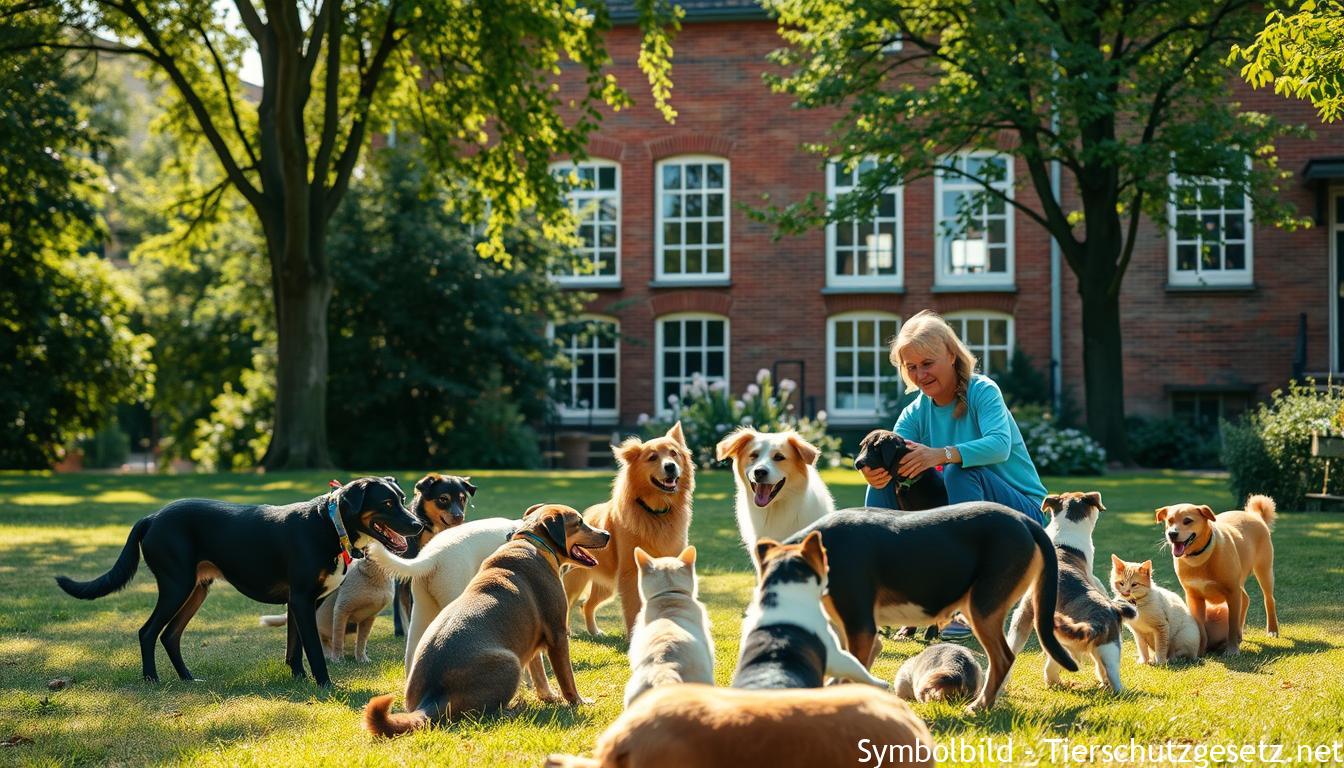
(1205, 512)
(642, 558)
(627, 451)
(351, 495)
(890, 451)
(730, 445)
(1117, 563)
(815, 553)
(1052, 504)
(763, 547)
(1094, 497)
(555, 529)
(471, 489)
(532, 509)
(392, 481)
(425, 483)
(676, 434)
(1160, 515)
(687, 556)
(807, 452)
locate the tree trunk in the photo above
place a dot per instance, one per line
(1104, 368)
(299, 438)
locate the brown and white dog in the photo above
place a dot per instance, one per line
(697, 725)
(650, 508)
(1214, 555)
(779, 491)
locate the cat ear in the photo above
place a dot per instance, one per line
(1146, 567)
(1117, 563)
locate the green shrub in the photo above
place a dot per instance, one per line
(1057, 450)
(1269, 451)
(108, 447)
(1023, 383)
(1172, 444)
(708, 412)
(238, 429)
(493, 433)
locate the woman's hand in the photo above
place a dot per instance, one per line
(920, 458)
(876, 477)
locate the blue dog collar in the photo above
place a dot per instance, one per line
(334, 513)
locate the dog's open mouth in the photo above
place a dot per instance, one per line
(391, 539)
(766, 493)
(580, 555)
(1178, 547)
(666, 486)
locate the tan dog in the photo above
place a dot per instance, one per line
(671, 642)
(779, 491)
(697, 725)
(650, 508)
(364, 592)
(1214, 555)
(471, 659)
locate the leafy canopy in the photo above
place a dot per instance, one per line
(1301, 54)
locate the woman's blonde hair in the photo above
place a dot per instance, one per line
(927, 334)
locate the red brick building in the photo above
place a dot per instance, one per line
(693, 284)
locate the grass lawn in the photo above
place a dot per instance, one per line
(1288, 690)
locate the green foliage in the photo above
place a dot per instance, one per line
(108, 448)
(1023, 383)
(234, 433)
(1057, 450)
(708, 412)
(1269, 451)
(1301, 54)
(1172, 444)
(426, 337)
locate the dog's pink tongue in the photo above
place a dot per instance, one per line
(1178, 548)
(763, 494)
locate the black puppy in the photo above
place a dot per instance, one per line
(884, 449)
(440, 503)
(906, 569)
(289, 554)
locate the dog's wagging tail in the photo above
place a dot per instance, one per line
(1045, 596)
(118, 576)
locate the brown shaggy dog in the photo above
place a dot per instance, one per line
(650, 508)
(697, 725)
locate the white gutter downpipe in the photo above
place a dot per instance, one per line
(1056, 340)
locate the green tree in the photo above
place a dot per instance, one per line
(67, 357)
(424, 333)
(1300, 53)
(1119, 94)
(476, 81)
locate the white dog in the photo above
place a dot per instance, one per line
(779, 491)
(443, 569)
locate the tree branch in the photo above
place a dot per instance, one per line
(228, 93)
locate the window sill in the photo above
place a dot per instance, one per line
(721, 282)
(583, 420)
(840, 290)
(1232, 288)
(589, 285)
(972, 288)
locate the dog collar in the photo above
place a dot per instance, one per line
(537, 540)
(334, 514)
(909, 481)
(651, 510)
(1201, 549)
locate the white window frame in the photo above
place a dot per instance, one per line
(1197, 276)
(966, 316)
(660, 405)
(833, 280)
(571, 415)
(884, 369)
(944, 277)
(579, 198)
(659, 191)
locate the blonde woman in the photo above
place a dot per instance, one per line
(959, 421)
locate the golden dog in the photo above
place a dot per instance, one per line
(1214, 554)
(650, 508)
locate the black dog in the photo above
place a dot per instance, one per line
(908, 569)
(289, 554)
(884, 449)
(440, 503)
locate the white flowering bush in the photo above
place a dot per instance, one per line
(708, 411)
(1059, 450)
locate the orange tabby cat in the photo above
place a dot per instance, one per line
(1164, 629)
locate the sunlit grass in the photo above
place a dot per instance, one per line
(249, 712)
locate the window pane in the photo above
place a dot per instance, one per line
(975, 333)
(1211, 227)
(694, 230)
(714, 260)
(606, 178)
(844, 364)
(865, 333)
(1236, 226)
(844, 334)
(714, 369)
(1185, 257)
(694, 261)
(671, 206)
(694, 176)
(671, 364)
(714, 204)
(672, 333)
(998, 361)
(714, 175)
(671, 261)
(693, 332)
(671, 176)
(998, 332)
(694, 205)
(606, 396)
(672, 234)
(606, 366)
(714, 333)
(1236, 256)
(886, 206)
